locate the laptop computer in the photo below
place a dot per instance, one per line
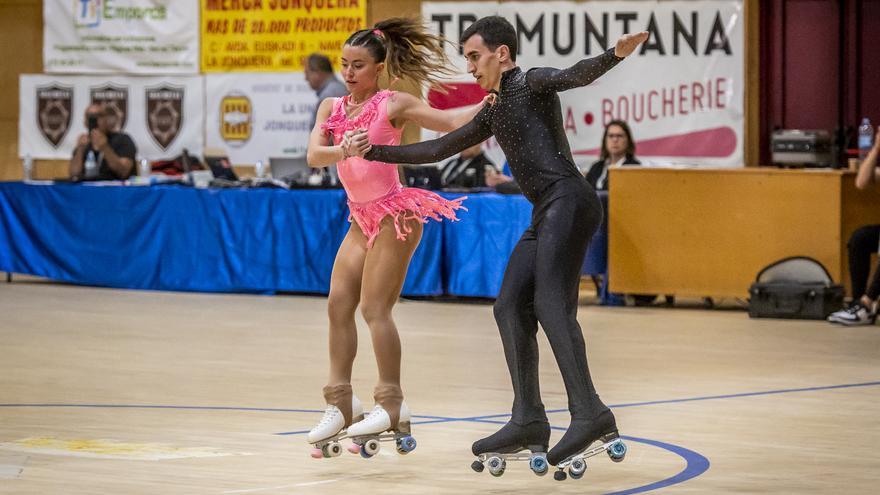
(221, 168)
(422, 176)
(289, 167)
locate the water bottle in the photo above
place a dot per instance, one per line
(144, 168)
(260, 169)
(866, 138)
(91, 165)
(27, 166)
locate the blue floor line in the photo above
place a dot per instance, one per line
(147, 406)
(705, 397)
(696, 465)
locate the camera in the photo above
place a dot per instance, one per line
(93, 122)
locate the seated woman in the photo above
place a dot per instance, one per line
(618, 149)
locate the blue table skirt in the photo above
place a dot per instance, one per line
(476, 249)
(234, 240)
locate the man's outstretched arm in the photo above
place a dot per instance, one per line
(545, 79)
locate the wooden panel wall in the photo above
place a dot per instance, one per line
(708, 232)
(21, 50)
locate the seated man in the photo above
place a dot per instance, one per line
(503, 181)
(467, 170)
(113, 152)
(862, 244)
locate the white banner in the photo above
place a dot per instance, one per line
(681, 92)
(121, 36)
(163, 115)
(258, 116)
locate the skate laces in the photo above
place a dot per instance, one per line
(329, 415)
(377, 409)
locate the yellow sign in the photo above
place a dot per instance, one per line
(235, 119)
(275, 35)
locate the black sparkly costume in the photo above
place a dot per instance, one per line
(542, 276)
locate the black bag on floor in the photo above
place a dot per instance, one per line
(796, 287)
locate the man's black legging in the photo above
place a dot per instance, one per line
(541, 285)
(862, 244)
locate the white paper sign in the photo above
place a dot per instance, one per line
(121, 36)
(258, 116)
(681, 92)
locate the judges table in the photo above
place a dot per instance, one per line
(707, 232)
(234, 240)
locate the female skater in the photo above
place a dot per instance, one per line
(386, 220)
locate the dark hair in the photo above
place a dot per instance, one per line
(103, 109)
(495, 31)
(319, 63)
(408, 49)
(630, 144)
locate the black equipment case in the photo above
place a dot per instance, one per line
(797, 288)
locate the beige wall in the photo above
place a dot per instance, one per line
(21, 47)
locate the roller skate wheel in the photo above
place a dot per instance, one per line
(617, 451)
(331, 450)
(364, 453)
(559, 475)
(369, 448)
(496, 466)
(538, 465)
(406, 445)
(577, 468)
(317, 453)
(477, 466)
(354, 448)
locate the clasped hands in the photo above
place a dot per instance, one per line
(355, 142)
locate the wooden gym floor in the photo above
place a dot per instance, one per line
(129, 392)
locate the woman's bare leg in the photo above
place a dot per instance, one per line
(384, 273)
(345, 289)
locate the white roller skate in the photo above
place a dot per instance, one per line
(577, 464)
(331, 429)
(376, 427)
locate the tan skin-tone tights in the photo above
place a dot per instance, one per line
(372, 279)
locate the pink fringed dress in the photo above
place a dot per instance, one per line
(373, 188)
